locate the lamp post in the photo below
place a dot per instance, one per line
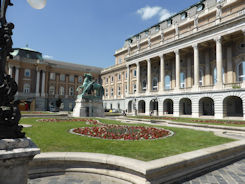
(16, 151)
(9, 111)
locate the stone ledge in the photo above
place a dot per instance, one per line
(165, 170)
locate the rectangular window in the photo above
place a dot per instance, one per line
(62, 77)
(119, 91)
(112, 92)
(134, 88)
(134, 72)
(52, 76)
(71, 78)
(169, 22)
(80, 79)
(27, 73)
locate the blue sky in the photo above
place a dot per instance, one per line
(86, 31)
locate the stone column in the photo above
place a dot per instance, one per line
(17, 75)
(207, 69)
(196, 65)
(229, 65)
(149, 86)
(162, 72)
(177, 71)
(138, 77)
(128, 79)
(10, 70)
(189, 82)
(43, 84)
(38, 83)
(219, 62)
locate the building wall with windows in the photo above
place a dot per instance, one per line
(192, 63)
(41, 82)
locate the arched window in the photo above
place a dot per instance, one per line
(154, 83)
(241, 71)
(62, 91)
(51, 90)
(167, 82)
(144, 85)
(182, 80)
(26, 88)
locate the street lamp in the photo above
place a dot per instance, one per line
(9, 111)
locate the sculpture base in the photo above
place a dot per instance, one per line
(15, 155)
(85, 108)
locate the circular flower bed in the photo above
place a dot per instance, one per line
(122, 132)
(109, 131)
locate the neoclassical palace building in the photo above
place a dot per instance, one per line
(191, 64)
(41, 82)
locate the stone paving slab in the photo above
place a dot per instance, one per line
(73, 178)
(231, 174)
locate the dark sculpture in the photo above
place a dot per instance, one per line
(9, 111)
(89, 87)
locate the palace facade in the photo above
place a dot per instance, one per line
(42, 82)
(192, 64)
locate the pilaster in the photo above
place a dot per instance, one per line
(196, 65)
(162, 72)
(138, 77)
(149, 86)
(38, 83)
(177, 70)
(219, 82)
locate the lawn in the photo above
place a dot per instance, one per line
(55, 137)
(235, 123)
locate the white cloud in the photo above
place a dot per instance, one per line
(48, 57)
(149, 12)
(164, 14)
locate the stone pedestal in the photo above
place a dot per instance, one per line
(15, 155)
(85, 108)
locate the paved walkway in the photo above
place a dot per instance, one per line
(231, 174)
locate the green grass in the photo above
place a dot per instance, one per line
(193, 120)
(54, 137)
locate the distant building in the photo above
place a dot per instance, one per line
(41, 82)
(191, 64)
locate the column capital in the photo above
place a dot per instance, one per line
(137, 63)
(176, 52)
(243, 30)
(218, 39)
(161, 56)
(148, 59)
(195, 45)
